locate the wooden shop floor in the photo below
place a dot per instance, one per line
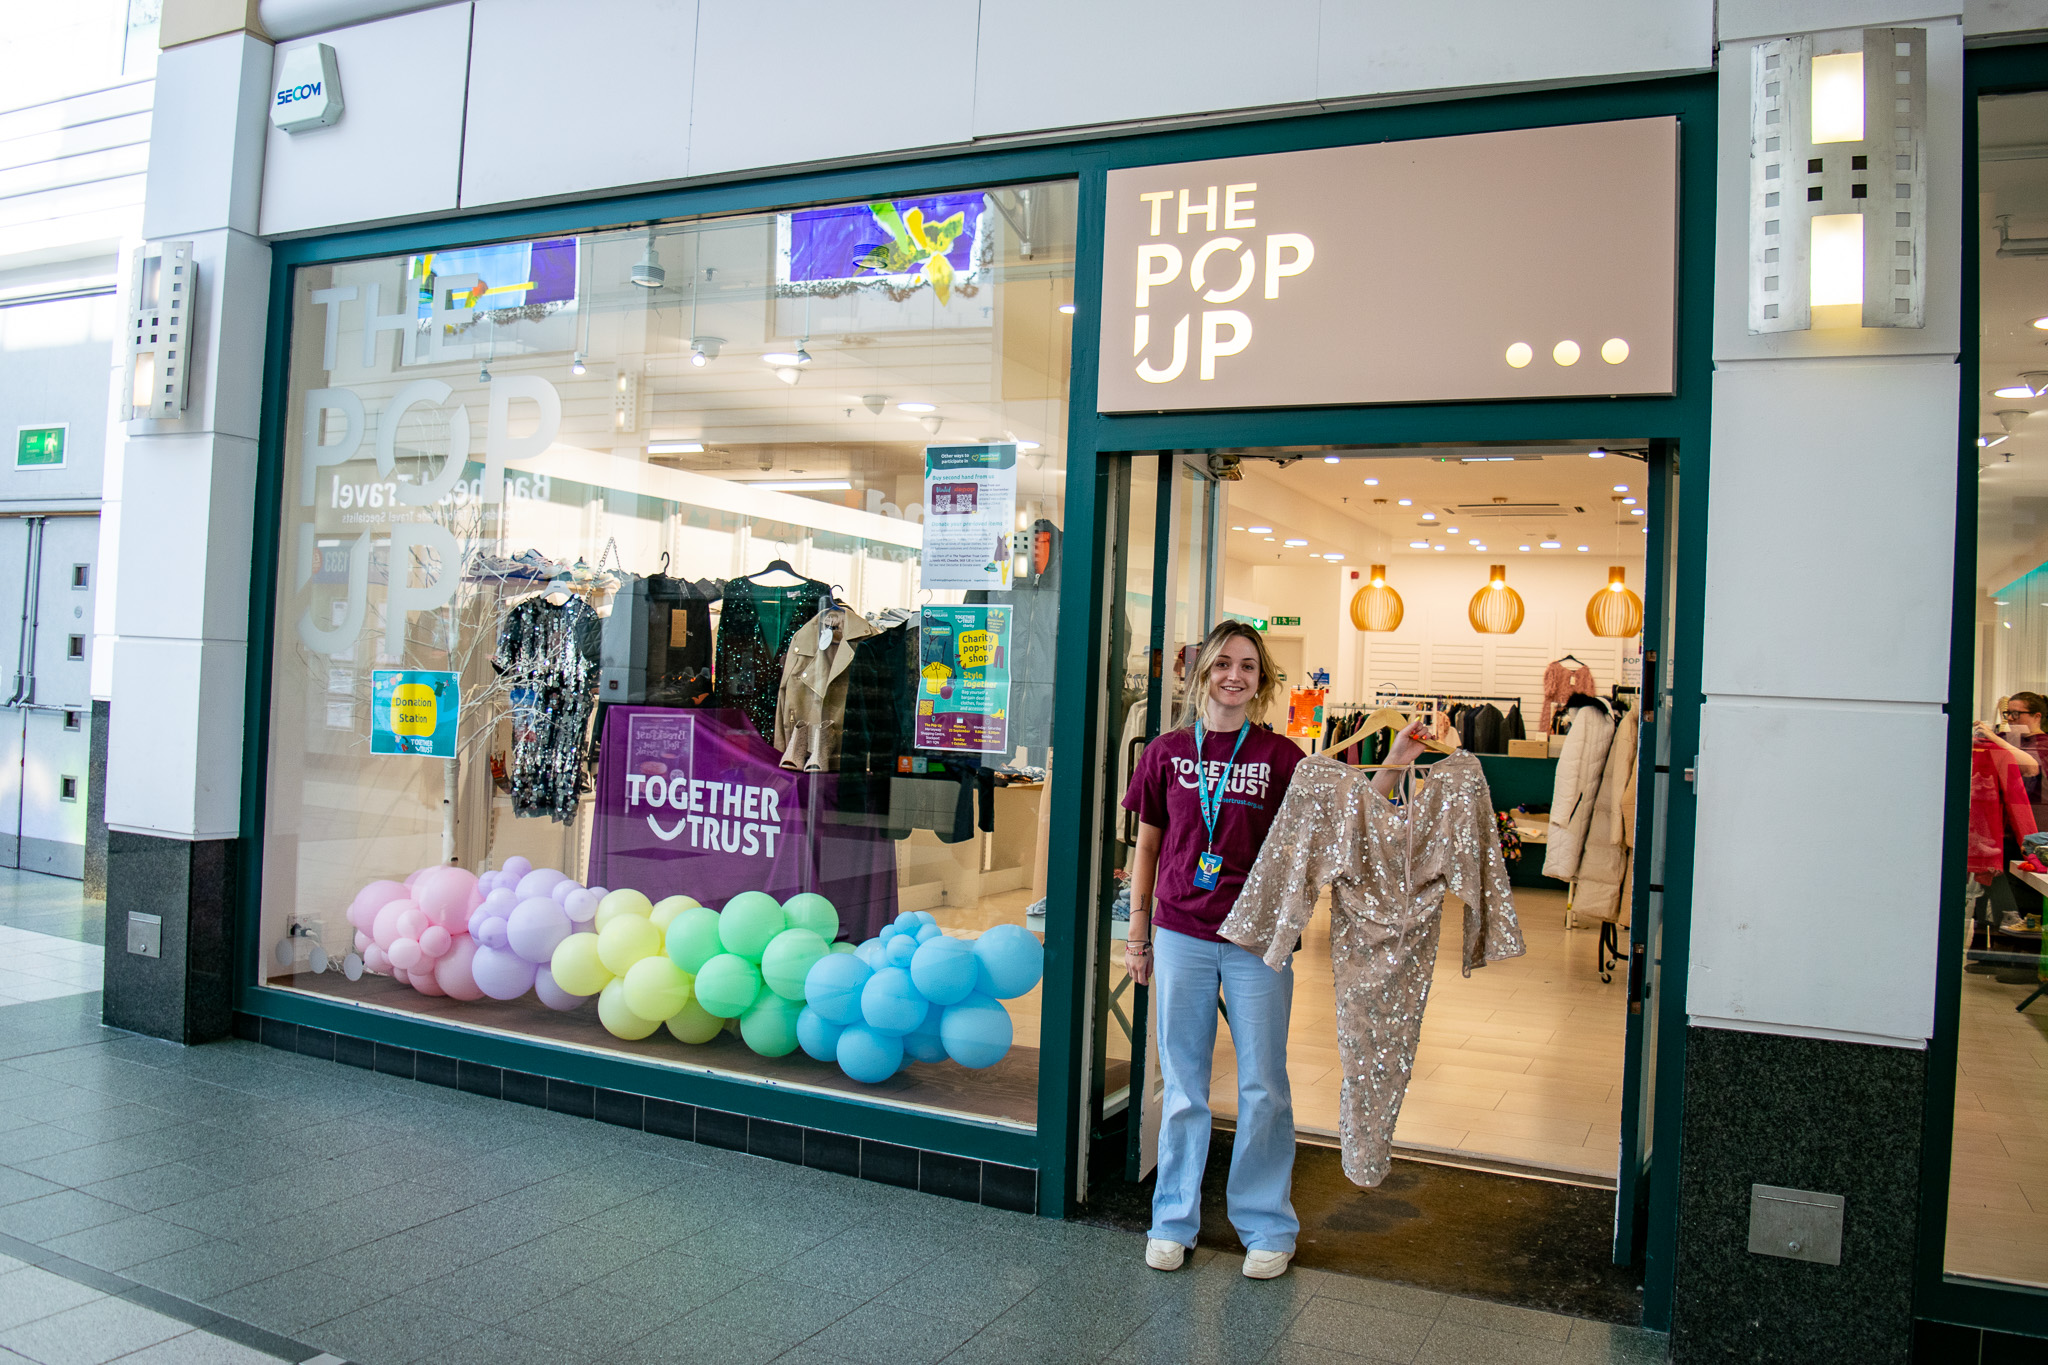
(1998, 1192)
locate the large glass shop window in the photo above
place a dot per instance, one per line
(665, 634)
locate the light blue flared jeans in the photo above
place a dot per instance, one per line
(1187, 974)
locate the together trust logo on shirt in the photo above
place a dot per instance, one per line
(1246, 779)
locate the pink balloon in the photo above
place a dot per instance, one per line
(412, 923)
(501, 975)
(384, 929)
(422, 980)
(453, 975)
(443, 893)
(362, 941)
(436, 941)
(535, 927)
(415, 876)
(405, 953)
(551, 995)
(362, 911)
(377, 960)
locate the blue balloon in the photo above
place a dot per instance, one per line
(924, 1042)
(926, 917)
(1011, 960)
(888, 932)
(872, 953)
(889, 1003)
(833, 987)
(929, 932)
(976, 1032)
(943, 970)
(908, 920)
(900, 950)
(868, 1056)
(817, 1035)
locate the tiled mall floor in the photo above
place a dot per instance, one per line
(320, 1208)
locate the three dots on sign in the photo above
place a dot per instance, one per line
(1613, 350)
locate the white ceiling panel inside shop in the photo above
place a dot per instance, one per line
(1487, 500)
(2012, 453)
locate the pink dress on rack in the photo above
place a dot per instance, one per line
(1559, 683)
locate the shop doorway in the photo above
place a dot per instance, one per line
(46, 596)
(1367, 570)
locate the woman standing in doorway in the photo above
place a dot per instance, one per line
(1205, 796)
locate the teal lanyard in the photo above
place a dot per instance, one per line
(1212, 801)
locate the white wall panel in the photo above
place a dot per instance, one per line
(196, 532)
(1818, 868)
(1739, 19)
(1377, 49)
(174, 747)
(778, 85)
(1831, 530)
(1069, 63)
(1943, 332)
(1984, 17)
(528, 139)
(397, 151)
(206, 137)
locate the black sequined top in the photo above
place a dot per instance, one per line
(550, 656)
(754, 631)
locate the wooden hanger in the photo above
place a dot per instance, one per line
(1380, 720)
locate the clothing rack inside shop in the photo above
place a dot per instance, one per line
(1435, 699)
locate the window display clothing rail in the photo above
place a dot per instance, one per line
(1388, 868)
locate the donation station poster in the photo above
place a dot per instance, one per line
(413, 712)
(963, 694)
(970, 508)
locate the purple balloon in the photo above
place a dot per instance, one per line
(536, 927)
(581, 906)
(501, 975)
(513, 870)
(564, 889)
(492, 934)
(538, 883)
(551, 995)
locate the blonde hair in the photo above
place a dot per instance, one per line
(1205, 659)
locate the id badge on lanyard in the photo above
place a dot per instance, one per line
(1209, 863)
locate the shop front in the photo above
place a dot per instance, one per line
(701, 640)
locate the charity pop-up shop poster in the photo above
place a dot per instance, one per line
(970, 508)
(413, 712)
(963, 694)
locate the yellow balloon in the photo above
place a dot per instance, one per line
(656, 988)
(626, 940)
(622, 903)
(668, 910)
(692, 1024)
(576, 966)
(615, 1016)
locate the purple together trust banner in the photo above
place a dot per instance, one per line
(694, 803)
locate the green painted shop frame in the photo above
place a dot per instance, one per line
(1939, 1296)
(1076, 964)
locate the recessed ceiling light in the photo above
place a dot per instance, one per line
(1406, 502)
(1334, 554)
(2041, 323)
(917, 407)
(1269, 537)
(1621, 488)
(1330, 459)
(675, 447)
(1596, 453)
(1523, 548)
(2013, 391)
(1439, 547)
(1473, 541)
(1260, 530)
(1584, 548)
(1293, 542)
(1067, 308)
(1418, 545)
(1237, 528)
(1635, 511)
(1628, 502)
(1551, 544)
(1372, 483)
(1429, 516)
(1999, 602)
(1480, 548)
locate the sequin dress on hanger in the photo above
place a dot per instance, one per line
(549, 656)
(1388, 868)
(754, 631)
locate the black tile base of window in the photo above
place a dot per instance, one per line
(956, 1177)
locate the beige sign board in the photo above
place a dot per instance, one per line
(1538, 263)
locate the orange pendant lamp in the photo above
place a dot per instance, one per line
(1496, 608)
(1376, 606)
(1615, 611)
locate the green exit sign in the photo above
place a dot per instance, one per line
(39, 447)
(1287, 620)
(1258, 623)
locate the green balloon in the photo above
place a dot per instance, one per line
(748, 921)
(842, 946)
(728, 985)
(809, 910)
(789, 959)
(692, 938)
(769, 1028)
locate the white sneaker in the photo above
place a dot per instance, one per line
(1164, 1255)
(1266, 1265)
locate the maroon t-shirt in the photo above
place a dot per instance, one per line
(1163, 793)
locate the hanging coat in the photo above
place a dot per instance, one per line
(1608, 861)
(810, 706)
(1579, 770)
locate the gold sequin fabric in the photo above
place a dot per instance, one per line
(1388, 867)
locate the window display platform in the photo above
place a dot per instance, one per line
(1006, 1092)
